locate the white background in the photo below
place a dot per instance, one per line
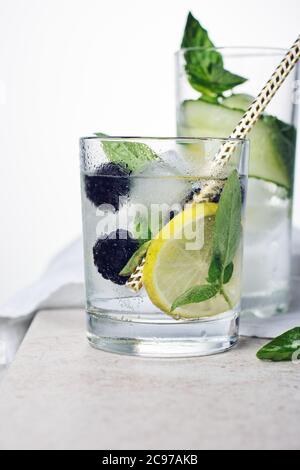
(73, 67)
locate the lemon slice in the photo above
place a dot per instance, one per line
(179, 258)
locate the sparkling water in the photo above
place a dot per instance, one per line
(125, 321)
(267, 244)
(151, 189)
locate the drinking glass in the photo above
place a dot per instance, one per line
(267, 259)
(148, 241)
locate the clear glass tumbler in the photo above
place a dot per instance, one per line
(267, 259)
(163, 270)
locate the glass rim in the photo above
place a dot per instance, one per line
(180, 139)
(273, 51)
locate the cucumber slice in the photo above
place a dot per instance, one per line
(272, 149)
(239, 101)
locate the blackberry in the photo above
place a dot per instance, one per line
(111, 254)
(107, 185)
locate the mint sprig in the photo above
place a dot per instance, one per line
(226, 240)
(205, 68)
(285, 347)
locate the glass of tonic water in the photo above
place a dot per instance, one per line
(267, 259)
(163, 267)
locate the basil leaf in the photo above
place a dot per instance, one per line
(228, 227)
(195, 35)
(133, 155)
(135, 260)
(142, 228)
(215, 270)
(195, 295)
(228, 273)
(284, 348)
(205, 68)
(211, 79)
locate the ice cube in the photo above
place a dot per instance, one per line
(177, 162)
(160, 182)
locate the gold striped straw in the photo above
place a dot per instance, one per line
(241, 131)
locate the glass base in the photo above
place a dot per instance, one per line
(266, 305)
(150, 337)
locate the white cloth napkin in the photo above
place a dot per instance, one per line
(62, 287)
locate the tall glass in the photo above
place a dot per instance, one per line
(267, 260)
(162, 269)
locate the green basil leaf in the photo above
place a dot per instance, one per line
(212, 80)
(228, 273)
(228, 227)
(195, 295)
(215, 270)
(133, 155)
(195, 35)
(284, 348)
(204, 67)
(142, 228)
(135, 260)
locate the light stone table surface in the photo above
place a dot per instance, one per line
(62, 394)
